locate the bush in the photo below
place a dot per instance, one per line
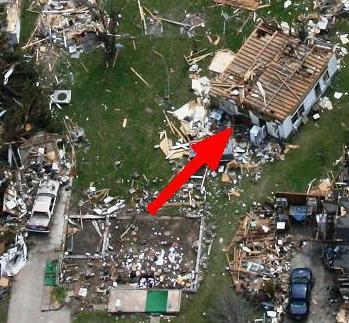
(229, 308)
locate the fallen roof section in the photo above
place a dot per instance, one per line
(272, 73)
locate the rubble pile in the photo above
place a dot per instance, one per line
(101, 254)
(240, 158)
(41, 159)
(164, 266)
(191, 22)
(14, 259)
(152, 22)
(259, 259)
(71, 25)
(89, 280)
(102, 203)
(38, 159)
(333, 7)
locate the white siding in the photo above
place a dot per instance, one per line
(286, 127)
(309, 101)
(272, 129)
(331, 69)
(332, 65)
(254, 119)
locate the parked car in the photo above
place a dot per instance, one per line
(299, 293)
(43, 208)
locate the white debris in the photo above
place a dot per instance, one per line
(316, 116)
(344, 51)
(201, 86)
(285, 27)
(61, 96)
(108, 199)
(8, 74)
(337, 95)
(271, 313)
(287, 3)
(83, 292)
(11, 204)
(325, 103)
(98, 211)
(344, 39)
(265, 228)
(322, 23)
(12, 261)
(221, 61)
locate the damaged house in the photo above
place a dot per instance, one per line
(11, 26)
(274, 80)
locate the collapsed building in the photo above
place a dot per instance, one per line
(112, 255)
(269, 237)
(70, 25)
(274, 80)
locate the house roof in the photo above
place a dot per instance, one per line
(279, 65)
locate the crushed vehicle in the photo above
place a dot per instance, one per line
(44, 205)
(299, 294)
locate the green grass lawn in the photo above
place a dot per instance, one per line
(103, 98)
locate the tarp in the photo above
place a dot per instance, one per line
(12, 261)
(156, 301)
(299, 213)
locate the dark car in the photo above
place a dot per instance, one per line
(299, 294)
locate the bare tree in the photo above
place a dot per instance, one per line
(108, 14)
(228, 308)
(22, 99)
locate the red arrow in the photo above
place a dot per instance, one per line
(208, 151)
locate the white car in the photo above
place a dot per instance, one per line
(43, 208)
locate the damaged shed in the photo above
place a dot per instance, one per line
(275, 79)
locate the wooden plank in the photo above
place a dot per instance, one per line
(86, 216)
(290, 77)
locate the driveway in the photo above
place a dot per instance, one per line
(320, 309)
(27, 289)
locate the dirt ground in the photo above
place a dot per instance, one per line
(85, 241)
(309, 256)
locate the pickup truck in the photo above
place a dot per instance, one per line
(44, 205)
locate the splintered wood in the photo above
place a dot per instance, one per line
(139, 76)
(257, 258)
(172, 151)
(194, 58)
(251, 5)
